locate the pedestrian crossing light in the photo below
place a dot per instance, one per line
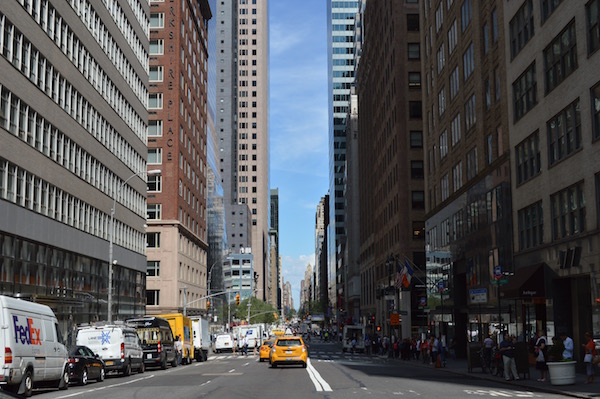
(207, 305)
(237, 299)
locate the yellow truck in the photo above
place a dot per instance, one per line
(182, 327)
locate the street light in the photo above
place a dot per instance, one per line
(111, 233)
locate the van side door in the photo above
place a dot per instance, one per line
(49, 347)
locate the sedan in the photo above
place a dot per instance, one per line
(265, 349)
(85, 365)
(289, 350)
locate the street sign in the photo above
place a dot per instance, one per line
(497, 272)
(441, 285)
(394, 319)
(478, 295)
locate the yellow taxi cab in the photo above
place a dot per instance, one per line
(289, 350)
(265, 349)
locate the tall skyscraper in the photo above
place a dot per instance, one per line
(274, 291)
(340, 48)
(242, 127)
(177, 144)
(73, 123)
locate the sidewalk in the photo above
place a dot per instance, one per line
(578, 390)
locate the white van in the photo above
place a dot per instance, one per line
(223, 342)
(117, 344)
(200, 338)
(34, 354)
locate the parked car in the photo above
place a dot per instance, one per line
(223, 342)
(85, 365)
(289, 350)
(34, 353)
(117, 345)
(157, 341)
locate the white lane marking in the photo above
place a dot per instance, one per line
(245, 364)
(320, 384)
(105, 387)
(231, 371)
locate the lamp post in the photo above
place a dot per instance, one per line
(111, 233)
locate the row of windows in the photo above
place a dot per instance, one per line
(29, 191)
(96, 26)
(24, 56)
(26, 123)
(59, 89)
(567, 213)
(56, 28)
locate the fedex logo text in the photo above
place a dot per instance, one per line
(27, 334)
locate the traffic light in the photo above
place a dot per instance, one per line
(207, 305)
(275, 316)
(237, 299)
(378, 328)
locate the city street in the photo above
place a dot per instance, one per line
(330, 374)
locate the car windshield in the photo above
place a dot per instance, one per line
(289, 342)
(77, 351)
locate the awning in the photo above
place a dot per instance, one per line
(529, 282)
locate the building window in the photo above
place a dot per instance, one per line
(468, 63)
(445, 187)
(596, 111)
(441, 59)
(455, 129)
(560, 57)
(486, 38)
(156, 73)
(155, 128)
(531, 226)
(548, 7)
(157, 47)
(452, 38)
(470, 113)
(154, 156)
(495, 26)
(454, 83)
(154, 183)
(157, 20)
(593, 25)
(418, 230)
(564, 133)
(414, 80)
(568, 212)
(414, 51)
(417, 170)
(521, 28)
(457, 177)
(465, 12)
(153, 211)
(418, 199)
(527, 154)
(153, 268)
(416, 139)
(472, 163)
(415, 110)
(412, 22)
(524, 92)
(442, 101)
(155, 101)
(443, 144)
(152, 297)
(153, 240)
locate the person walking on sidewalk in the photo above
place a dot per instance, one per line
(507, 348)
(590, 353)
(540, 360)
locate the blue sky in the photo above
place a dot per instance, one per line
(298, 127)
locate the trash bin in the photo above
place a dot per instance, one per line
(474, 356)
(522, 359)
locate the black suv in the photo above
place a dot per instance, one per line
(157, 341)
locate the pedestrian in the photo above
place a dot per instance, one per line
(245, 345)
(179, 349)
(434, 350)
(424, 349)
(590, 353)
(488, 344)
(417, 348)
(540, 360)
(507, 348)
(568, 343)
(255, 347)
(368, 345)
(235, 344)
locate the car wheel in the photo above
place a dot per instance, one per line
(127, 371)
(273, 365)
(27, 384)
(102, 375)
(303, 365)
(84, 377)
(142, 368)
(64, 380)
(163, 364)
(174, 362)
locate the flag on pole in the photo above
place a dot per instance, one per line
(399, 275)
(408, 272)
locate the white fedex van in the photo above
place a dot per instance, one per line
(117, 344)
(34, 354)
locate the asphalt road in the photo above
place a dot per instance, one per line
(330, 374)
